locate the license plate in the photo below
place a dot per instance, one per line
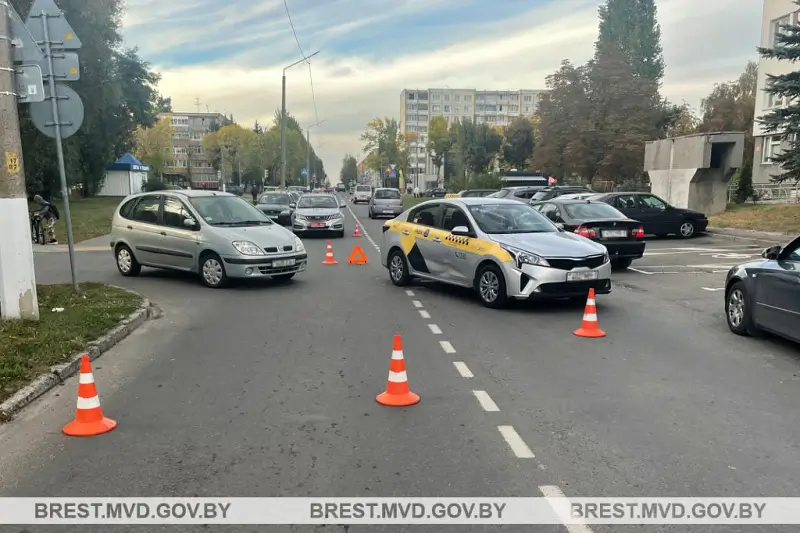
(317, 225)
(581, 276)
(614, 233)
(387, 211)
(283, 263)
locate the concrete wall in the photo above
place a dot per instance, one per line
(693, 172)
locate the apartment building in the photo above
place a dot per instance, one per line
(777, 13)
(418, 106)
(190, 159)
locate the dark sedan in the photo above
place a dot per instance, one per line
(276, 205)
(657, 216)
(765, 294)
(598, 221)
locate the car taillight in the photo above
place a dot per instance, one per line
(638, 233)
(583, 231)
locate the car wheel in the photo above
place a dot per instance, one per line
(686, 230)
(127, 264)
(738, 311)
(491, 286)
(212, 271)
(284, 277)
(621, 264)
(398, 269)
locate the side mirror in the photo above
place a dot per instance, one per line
(771, 253)
(559, 225)
(189, 223)
(292, 205)
(461, 231)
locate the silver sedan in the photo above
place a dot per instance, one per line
(318, 213)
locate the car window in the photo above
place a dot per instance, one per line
(627, 201)
(524, 194)
(387, 194)
(425, 215)
(453, 217)
(510, 218)
(228, 211)
(126, 210)
(550, 211)
(275, 198)
(585, 211)
(147, 210)
(652, 202)
(792, 254)
(541, 195)
(317, 202)
(363, 188)
(175, 213)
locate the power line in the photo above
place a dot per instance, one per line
(286, 6)
(313, 96)
(302, 54)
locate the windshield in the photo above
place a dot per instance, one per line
(541, 195)
(390, 194)
(363, 188)
(276, 198)
(317, 202)
(510, 218)
(586, 211)
(228, 211)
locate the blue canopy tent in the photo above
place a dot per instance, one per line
(126, 176)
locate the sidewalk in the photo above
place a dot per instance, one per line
(98, 244)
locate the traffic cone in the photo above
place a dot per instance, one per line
(89, 420)
(397, 392)
(589, 327)
(329, 259)
(357, 232)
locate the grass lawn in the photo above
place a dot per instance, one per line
(28, 349)
(783, 218)
(91, 217)
(409, 201)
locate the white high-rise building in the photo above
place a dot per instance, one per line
(418, 106)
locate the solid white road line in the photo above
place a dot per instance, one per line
(410, 293)
(640, 271)
(434, 329)
(486, 401)
(552, 491)
(515, 442)
(447, 347)
(424, 314)
(709, 289)
(416, 303)
(463, 369)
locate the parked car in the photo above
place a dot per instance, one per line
(555, 191)
(385, 202)
(501, 248)
(437, 192)
(765, 294)
(476, 193)
(363, 194)
(522, 193)
(277, 206)
(657, 216)
(213, 234)
(600, 222)
(318, 213)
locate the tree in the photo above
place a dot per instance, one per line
(439, 141)
(518, 146)
(153, 146)
(631, 27)
(681, 120)
(382, 141)
(228, 148)
(477, 146)
(349, 172)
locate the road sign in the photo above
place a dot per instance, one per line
(393, 166)
(62, 36)
(29, 83)
(66, 66)
(25, 47)
(70, 111)
(304, 172)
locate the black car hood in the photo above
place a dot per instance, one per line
(282, 207)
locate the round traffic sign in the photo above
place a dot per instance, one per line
(70, 112)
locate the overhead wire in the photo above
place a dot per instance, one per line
(300, 47)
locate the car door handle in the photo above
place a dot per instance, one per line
(437, 239)
(130, 227)
(406, 232)
(164, 233)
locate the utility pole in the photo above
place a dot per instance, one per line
(18, 298)
(197, 104)
(283, 116)
(308, 150)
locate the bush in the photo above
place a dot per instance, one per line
(485, 181)
(744, 186)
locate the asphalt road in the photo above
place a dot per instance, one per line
(268, 390)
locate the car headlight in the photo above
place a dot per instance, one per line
(521, 257)
(298, 244)
(606, 257)
(299, 217)
(247, 248)
(337, 216)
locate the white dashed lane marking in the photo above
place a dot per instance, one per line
(417, 304)
(410, 293)
(515, 442)
(551, 491)
(463, 369)
(424, 314)
(434, 329)
(447, 347)
(486, 401)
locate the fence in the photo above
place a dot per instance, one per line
(771, 193)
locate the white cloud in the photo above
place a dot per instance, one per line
(704, 42)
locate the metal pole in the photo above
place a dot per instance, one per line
(51, 81)
(283, 130)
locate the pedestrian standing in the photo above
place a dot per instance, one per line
(254, 192)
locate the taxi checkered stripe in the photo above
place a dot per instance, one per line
(458, 239)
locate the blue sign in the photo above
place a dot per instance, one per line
(304, 172)
(393, 174)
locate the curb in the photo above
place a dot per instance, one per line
(745, 234)
(94, 349)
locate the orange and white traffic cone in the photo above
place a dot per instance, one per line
(89, 420)
(357, 232)
(397, 392)
(590, 327)
(329, 259)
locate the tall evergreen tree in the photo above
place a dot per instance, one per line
(632, 27)
(785, 120)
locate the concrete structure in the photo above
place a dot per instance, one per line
(776, 14)
(126, 176)
(190, 160)
(693, 171)
(418, 106)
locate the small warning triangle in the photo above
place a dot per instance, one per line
(357, 256)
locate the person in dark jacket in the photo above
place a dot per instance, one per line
(49, 216)
(254, 192)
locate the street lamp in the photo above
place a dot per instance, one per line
(283, 116)
(308, 150)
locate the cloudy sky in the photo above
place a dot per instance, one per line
(230, 54)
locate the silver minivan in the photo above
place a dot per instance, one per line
(213, 234)
(385, 202)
